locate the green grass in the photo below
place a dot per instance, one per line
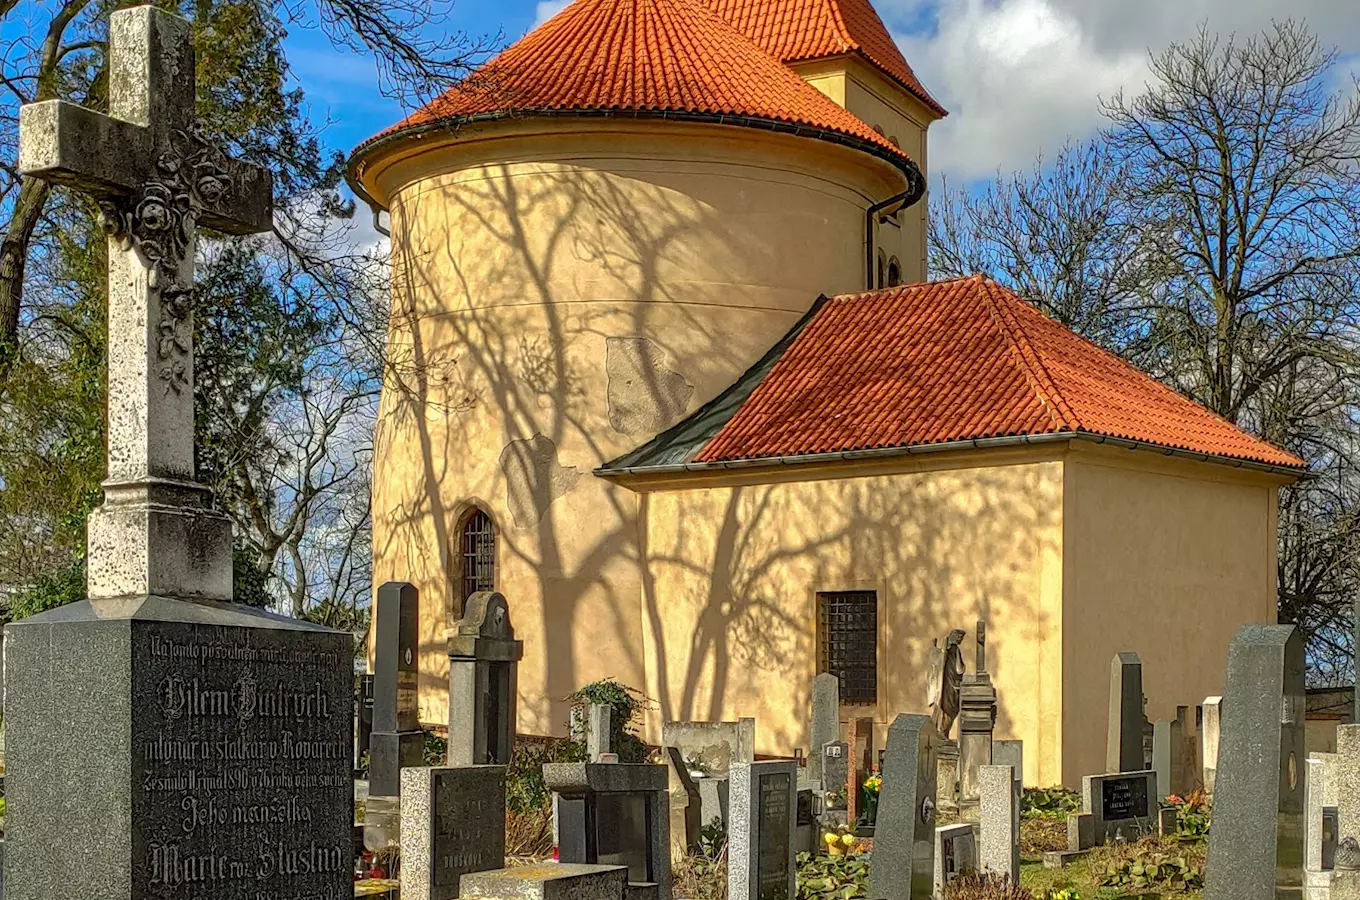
(1079, 875)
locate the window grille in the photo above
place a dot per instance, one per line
(848, 635)
(479, 555)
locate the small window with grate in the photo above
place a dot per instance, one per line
(478, 556)
(848, 636)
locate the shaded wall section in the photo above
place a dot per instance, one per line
(1164, 558)
(729, 593)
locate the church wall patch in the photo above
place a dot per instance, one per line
(644, 396)
(534, 478)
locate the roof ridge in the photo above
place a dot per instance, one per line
(1028, 359)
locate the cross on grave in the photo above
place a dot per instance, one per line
(155, 177)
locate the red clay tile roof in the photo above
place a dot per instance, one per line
(958, 360)
(648, 56)
(796, 30)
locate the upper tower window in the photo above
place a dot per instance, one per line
(894, 272)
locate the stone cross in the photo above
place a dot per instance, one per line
(155, 176)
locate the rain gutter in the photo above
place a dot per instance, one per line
(1022, 440)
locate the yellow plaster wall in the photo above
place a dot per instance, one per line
(519, 251)
(1167, 559)
(885, 105)
(729, 607)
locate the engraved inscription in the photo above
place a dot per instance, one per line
(241, 763)
(772, 866)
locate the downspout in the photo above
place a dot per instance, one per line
(869, 216)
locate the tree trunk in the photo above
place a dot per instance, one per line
(14, 254)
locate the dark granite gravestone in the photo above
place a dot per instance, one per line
(760, 862)
(825, 726)
(186, 750)
(452, 824)
(363, 720)
(904, 838)
(1124, 740)
(1256, 843)
(615, 814)
(483, 659)
(1121, 804)
(396, 741)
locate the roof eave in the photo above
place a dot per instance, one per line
(1021, 440)
(366, 151)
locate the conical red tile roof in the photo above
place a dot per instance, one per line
(798, 30)
(955, 361)
(648, 56)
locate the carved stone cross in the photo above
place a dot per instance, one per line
(155, 178)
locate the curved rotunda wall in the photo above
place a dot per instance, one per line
(563, 290)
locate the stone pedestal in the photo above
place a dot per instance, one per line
(947, 776)
(144, 749)
(977, 718)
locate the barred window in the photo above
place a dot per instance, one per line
(478, 545)
(848, 635)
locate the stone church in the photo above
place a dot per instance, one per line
(666, 370)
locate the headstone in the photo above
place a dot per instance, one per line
(977, 719)
(999, 823)
(615, 814)
(1124, 741)
(1347, 773)
(363, 730)
(1318, 856)
(1121, 804)
(826, 718)
(1168, 757)
(1208, 741)
(1256, 842)
(805, 823)
(684, 805)
(1081, 831)
(713, 800)
(955, 854)
(1010, 753)
(553, 881)
(452, 824)
(599, 731)
(713, 746)
(860, 760)
(397, 740)
(483, 662)
(162, 741)
(836, 778)
(760, 862)
(904, 839)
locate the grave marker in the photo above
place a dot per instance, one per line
(955, 854)
(1256, 842)
(599, 731)
(396, 741)
(826, 719)
(999, 823)
(1124, 742)
(1121, 804)
(201, 747)
(904, 839)
(483, 683)
(452, 824)
(836, 778)
(1010, 753)
(764, 802)
(1209, 740)
(1168, 757)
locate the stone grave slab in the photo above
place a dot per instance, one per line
(715, 746)
(557, 881)
(1121, 804)
(904, 839)
(999, 822)
(1256, 842)
(452, 824)
(955, 854)
(760, 862)
(1124, 741)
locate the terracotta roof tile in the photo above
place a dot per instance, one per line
(797, 30)
(643, 56)
(958, 360)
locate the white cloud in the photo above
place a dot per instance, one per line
(546, 9)
(1021, 77)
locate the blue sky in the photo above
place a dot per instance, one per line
(1020, 77)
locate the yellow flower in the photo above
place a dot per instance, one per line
(848, 840)
(830, 838)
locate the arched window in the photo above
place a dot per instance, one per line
(894, 272)
(477, 556)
